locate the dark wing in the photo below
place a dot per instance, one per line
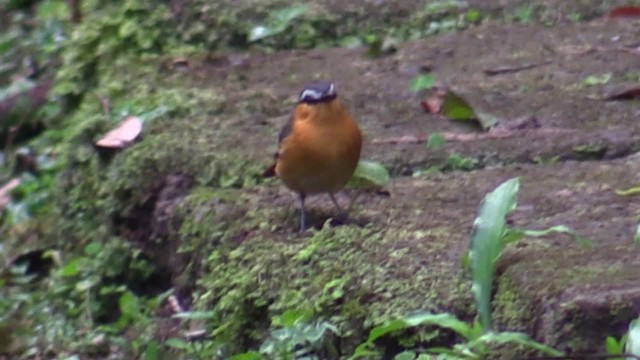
(284, 132)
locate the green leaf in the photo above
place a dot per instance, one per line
(71, 269)
(177, 343)
(127, 28)
(436, 141)
(129, 304)
(92, 249)
(369, 174)
(85, 284)
(593, 80)
(633, 338)
(473, 16)
(615, 347)
(278, 22)
(292, 317)
(405, 355)
(514, 338)
(636, 237)
(152, 351)
(487, 243)
(423, 82)
(284, 16)
(457, 108)
(486, 120)
(422, 318)
(628, 192)
(251, 355)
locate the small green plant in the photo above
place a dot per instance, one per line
(435, 141)
(488, 239)
(423, 82)
(297, 337)
(524, 14)
(593, 80)
(615, 346)
(459, 162)
(278, 22)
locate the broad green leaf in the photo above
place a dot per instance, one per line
(152, 351)
(636, 237)
(292, 317)
(72, 268)
(177, 343)
(486, 120)
(615, 347)
(487, 243)
(129, 304)
(278, 22)
(405, 355)
(457, 108)
(369, 174)
(515, 338)
(284, 16)
(628, 192)
(422, 82)
(92, 249)
(633, 338)
(592, 80)
(251, 355)
(423, 318)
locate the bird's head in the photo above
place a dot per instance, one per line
(317, 93)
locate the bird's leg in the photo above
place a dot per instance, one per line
(302, 216)
(341, 212)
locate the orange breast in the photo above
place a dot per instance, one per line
(322, 151)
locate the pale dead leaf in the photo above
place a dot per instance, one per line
(5, 192)
(123, 135)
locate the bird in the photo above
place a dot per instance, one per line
(318, 148)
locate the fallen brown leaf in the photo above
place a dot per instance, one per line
(433, 104)
(123, 135)
(5, 192)
(502, 69)
(625, 12)
(624, 93)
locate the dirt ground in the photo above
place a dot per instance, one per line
(570, 162)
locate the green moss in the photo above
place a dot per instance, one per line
(512, 310)
(344, 274)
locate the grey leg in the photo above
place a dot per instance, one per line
(335, 202)
(302, 216)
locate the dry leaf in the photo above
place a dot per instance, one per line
(625, 12)
(433, 104)
(623, 93)
(5, 192)
(123, 135)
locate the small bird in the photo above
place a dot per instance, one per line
(319, 147)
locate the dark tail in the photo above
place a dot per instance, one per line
(270, 172)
